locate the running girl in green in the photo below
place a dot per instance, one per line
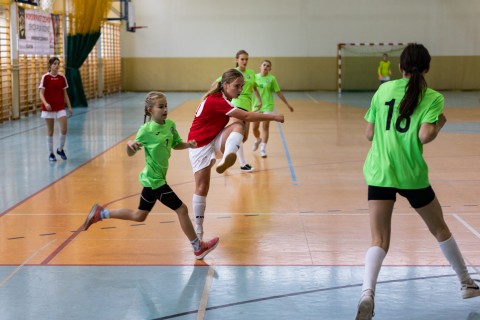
(157, 136)
(403, 116)
(267, 85)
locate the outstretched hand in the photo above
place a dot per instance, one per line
(280, 118)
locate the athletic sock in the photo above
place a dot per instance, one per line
(63, 137)
(233, 143)
(105, 214)
(50, 143)
(199, 204)
(454, 256)
(373, 262)
(196, 244)
(241, 156)
(263, 146)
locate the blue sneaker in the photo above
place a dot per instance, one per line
(62, 154)
(51, 157)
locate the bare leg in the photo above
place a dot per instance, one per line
(129, 214)
(380, 227)
(432, 214)
(50, 129)
(265, 131)
(63, 131)
(185, 222)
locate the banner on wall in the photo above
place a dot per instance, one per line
(35, 32)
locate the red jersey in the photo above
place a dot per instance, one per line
(211, 117)
(53, 94)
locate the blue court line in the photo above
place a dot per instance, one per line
(289, 159)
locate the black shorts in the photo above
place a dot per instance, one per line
(416, 197)
(164, 194)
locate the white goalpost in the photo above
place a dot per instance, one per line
(358, 62)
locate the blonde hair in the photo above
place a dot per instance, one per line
(227, 77)
(150, 100)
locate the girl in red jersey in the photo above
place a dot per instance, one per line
(53, 93)
(214, 138)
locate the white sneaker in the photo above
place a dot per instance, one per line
(470, 290)
(366, 306)
(263, 153)
(226, 162)
(256, 144)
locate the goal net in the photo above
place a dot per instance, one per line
(358, 64)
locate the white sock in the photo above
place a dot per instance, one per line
(50, 143)
(373, 263)
(233, 143)
(199, 203)
(241, 156)
(454, 256)
(263, 146)
(63, 137)
(105, 214)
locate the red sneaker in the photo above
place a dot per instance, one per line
(206, 247)
(93, 216)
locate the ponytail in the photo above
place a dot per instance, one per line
(414, 61)
(414, 91)
(214, 89)
(227, 77)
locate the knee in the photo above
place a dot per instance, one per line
(182, 211)
(140, 216)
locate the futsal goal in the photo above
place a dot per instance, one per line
(357, 64)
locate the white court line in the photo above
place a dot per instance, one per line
(311, 98)
(202, 308)
(25, 262)
(475, 232)
(472, 266)
(469, 227)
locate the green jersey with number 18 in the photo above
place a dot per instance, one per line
(396, 158)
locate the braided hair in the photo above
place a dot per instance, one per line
(150, 100)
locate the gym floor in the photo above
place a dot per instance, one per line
(293, 233)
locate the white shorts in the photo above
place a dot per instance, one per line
(202, 157)
(53, 114)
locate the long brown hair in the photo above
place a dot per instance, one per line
(414, 60)
(227, 77)
(52, 61)
(239, 53)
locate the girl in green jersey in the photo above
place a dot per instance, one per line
(404, 115)
(157, 136)
(244, 101)
(267, 86)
